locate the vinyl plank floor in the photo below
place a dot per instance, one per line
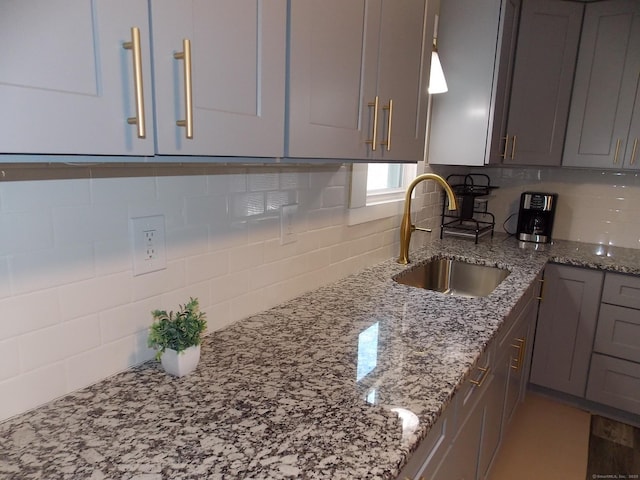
(546, 440)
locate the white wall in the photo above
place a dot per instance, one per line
(594, 206)
(71, 311)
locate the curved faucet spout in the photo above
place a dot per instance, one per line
(406, 228)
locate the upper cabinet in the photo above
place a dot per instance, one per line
(77, 78)
(604, 124)
(546, 54)
(358, 79)
(67, 82)
(219, 73)
(476, 45)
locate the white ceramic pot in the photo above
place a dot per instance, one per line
(180, 364)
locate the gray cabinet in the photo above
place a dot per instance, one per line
(357, 79)
(566, 327)
(604, 125)
(516, 363)
(465, 440)
(548, 40)
(614, 378)
(476, 43)
(67, 85)
(237, 67)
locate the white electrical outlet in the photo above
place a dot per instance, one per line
(148, 244)
(288, 232)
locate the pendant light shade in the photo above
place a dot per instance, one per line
(437, 82)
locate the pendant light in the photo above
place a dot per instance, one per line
(437, 82)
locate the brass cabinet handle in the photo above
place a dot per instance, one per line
(483, 377)
(506, 146)
(520, 345)
(387, 142)
(134, 46)
(513, 148)
(633, 152)
(188, 91)
(374, 141)
(615, 157)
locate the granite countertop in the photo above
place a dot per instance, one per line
(340, 383)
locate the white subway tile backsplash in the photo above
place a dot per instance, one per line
(25, 313)
(246, 257)
(101, 362)
(25, 232)
(51, 345)
(43, 269)
(5, 284)
(127, 320)
(124, 190)
(32, 389)
(157, 283)
(9, 359)
(229, 286)
(95, 295)
(187, 241)
(177, 188)
(34, 196)
(203, 267)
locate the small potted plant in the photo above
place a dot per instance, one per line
(176, 337)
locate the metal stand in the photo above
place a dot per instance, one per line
(463, 222)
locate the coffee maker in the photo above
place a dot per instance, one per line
(535, 219)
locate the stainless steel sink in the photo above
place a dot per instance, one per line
(454, 277)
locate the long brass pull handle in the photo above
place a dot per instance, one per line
(506, 147)
(188, 91)
(615, 157)
(520, 359)
(134, 46)
(388, 107)
(513, 148)
(483, 377)
(633, 152)
(374, 141)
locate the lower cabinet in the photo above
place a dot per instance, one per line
(614, 377)
(587, 341)
(566, 328)
(465, 440)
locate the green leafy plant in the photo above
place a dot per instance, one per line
(179, 330)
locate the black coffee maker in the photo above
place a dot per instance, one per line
(535, 219)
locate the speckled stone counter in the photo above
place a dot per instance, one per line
(309, 389)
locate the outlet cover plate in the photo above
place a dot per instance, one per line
(148, 244)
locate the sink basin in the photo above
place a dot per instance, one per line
(454, 277)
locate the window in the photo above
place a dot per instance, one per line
(378, 189)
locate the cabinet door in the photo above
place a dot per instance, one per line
(615, 382)
(404, 66)
(605, 86)
(332, 70)
(566, 327)
(543, 76)
(518, 361)
(67, 83)
(462, 119)
(632, 152)
(461, 460)
(618, 332)
(238, 52)
(509, 23)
